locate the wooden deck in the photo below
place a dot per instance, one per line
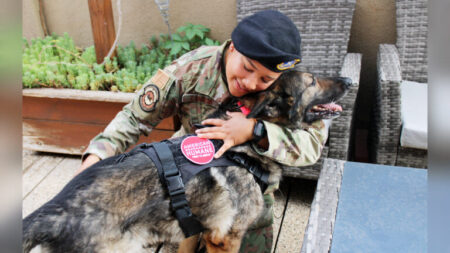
(45, 174)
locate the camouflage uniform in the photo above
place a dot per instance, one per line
(189, 87)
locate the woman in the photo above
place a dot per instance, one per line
(262, 47)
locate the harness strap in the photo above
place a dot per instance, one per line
(172, 178)
(193, 169)
(261, 176)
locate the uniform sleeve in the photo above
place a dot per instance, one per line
(300, 147)
(150, 105)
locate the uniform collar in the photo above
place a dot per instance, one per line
(222, 62)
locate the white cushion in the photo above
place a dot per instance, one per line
(414, 115)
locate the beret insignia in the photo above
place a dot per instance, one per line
(288, 64)
(149, 99)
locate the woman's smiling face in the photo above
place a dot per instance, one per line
(245, 75)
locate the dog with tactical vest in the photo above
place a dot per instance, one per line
(126, 203)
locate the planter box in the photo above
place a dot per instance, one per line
(65, 120)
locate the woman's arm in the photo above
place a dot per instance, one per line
(300, 147)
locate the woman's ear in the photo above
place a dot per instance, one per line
(231, 47)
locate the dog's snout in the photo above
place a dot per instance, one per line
(346, 81)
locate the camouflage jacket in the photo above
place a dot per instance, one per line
(189, 87)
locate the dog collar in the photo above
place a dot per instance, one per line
(244, 109)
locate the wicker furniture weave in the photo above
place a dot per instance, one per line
(405, 61)
(325, 29)
(319, 231)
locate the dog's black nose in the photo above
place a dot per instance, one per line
(346, 81)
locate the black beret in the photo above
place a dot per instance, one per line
(270, 38)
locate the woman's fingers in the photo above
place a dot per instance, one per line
(215, 122)
(217, 135)
(236, 130)
(223, 149)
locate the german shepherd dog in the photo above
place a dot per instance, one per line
(124, 207)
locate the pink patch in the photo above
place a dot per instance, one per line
(245, 110)
(198, 150)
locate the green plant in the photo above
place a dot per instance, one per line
(55, 61)
(188, 37)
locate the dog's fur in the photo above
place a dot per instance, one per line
(123, 207)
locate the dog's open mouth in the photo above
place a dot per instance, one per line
(324, 111)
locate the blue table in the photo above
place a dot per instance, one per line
(360, 207)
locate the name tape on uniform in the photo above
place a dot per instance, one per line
(160, 79)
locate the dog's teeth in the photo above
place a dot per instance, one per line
(318, 108)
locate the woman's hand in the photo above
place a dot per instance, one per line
(234, 131)
(90, 159)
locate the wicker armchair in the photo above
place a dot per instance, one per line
(405, 61)
(325, 29)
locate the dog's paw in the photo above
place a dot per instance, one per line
(218, 244)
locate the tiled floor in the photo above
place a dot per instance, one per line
(44, 175)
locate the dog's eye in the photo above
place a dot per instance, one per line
(276, 102)
(313, 83)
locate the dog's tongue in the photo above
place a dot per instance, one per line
(330, 106)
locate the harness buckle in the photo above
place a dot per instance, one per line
(251, 168)
(237, 158)
(174, 184)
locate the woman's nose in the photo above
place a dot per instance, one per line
(250, 83)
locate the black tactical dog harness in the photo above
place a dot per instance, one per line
(175, 170)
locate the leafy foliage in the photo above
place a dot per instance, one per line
(55, 61)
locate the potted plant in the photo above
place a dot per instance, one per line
(68, 98)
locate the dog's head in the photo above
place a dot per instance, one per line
(298, 97)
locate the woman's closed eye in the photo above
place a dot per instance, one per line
(266, 80)
(247, 69)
